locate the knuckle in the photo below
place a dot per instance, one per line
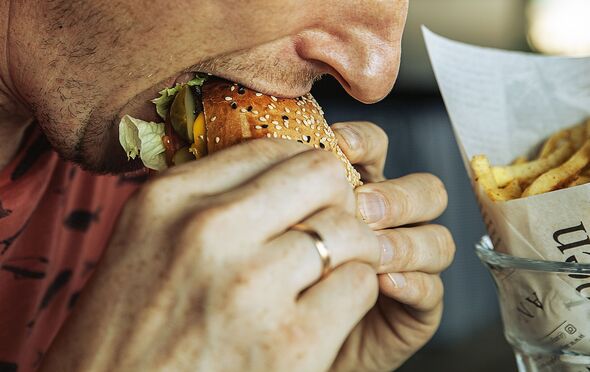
(400, 204)
(325, 165)
(439, 191)
(154, 190)
(364, 277)
(430, 290)
(381, 134)
(446, 243)
(404, 249)
(422, 288)
(152, 199)
(205, 224)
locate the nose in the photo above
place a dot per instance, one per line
(360, 48)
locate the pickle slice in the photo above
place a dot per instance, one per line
(182, 156)
(182, 113)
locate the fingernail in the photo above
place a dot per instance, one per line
(371, 206)
(386, 250)
(350, 136)
(398, 280)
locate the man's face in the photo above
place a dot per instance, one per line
(87, 63)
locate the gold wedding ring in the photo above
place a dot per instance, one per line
(320, 246)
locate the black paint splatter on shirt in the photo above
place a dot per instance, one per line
(73, 299)
(6, 243)
(81, 219)
(26, 267)
(4, 212)
(8, 367)
(37, 149)
(58, 283)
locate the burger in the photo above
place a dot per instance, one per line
(208, 114)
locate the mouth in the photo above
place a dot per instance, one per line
(140, 106)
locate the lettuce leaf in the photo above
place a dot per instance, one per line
(143, 138)
(167, 95)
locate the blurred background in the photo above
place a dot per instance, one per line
(470, 337)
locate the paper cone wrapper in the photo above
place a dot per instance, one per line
(505, 104)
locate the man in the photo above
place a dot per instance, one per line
(202, 269)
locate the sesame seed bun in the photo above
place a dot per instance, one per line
(234, 114)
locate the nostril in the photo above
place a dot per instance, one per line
(365, 64)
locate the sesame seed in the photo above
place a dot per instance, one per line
(274, 98)
(285, 117)
(298, 112)
(275, 122)
(233, 87)
(263, 119)
(270, 107)
(317, 134)
(303, 109)
(275, 135)
(322, 145)
(255, 112)
(316, 146)
(284, 137)
(267, 116)
(213, 119)
(268, 135)
(286, 124)
(278, 127)
(258, 127)
(258, 94)
(287, 110)
(264, 126)
(241, 90)
(217, 139)
(298, 121)
(249, 108)
(234, 105)
(228, 98)
(243, 110)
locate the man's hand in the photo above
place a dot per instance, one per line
(204, 272)
(409, 308)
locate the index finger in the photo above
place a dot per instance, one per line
(365, 145)
(231, 167)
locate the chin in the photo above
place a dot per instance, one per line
(98, 149)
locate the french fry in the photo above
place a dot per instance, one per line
(579, 180)
(562, 175)
(484, 177)
(512, 190)
(564, 161)
(577, 135)
(520, 160)
(526, 172)
(552, 143)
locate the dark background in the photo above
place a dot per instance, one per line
(421, 140)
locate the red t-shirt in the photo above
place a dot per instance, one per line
(55, 221)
